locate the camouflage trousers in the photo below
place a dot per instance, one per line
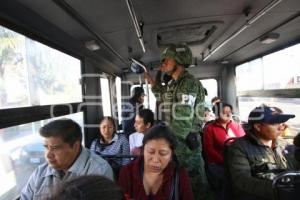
(192, 161)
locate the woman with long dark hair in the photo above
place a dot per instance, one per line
(156, 175)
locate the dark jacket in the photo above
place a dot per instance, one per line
(131, 180)
(251, 166)
(129, 111)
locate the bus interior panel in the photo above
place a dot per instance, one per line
(73, 58)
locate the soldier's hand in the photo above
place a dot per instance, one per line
(149, 78)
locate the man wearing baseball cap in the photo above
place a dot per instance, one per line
(254, 160)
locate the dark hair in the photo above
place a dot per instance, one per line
(137, 93)
(67, 129)
(160, 131)
(297, 140)
(111, 120)
(213, 100)
(218, 108)
(297, 148)
(147, 115)
(88, 188)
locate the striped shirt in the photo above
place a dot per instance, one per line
(118, 146)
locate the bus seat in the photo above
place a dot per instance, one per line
(287, 185)
(228, 190)
(112, 160)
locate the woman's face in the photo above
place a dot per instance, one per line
(226, 114)
(157, 155)
(107, 129)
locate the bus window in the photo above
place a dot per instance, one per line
(279, 70)
(119, 99)
(105, 94)
(211, 86)
(272, 79)
(21, 152)
(282, 69)
(35, 74)
(248, 72)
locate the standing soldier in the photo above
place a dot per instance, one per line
(183, 105)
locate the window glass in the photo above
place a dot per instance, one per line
(119, 97)
(21, 152)
(287, 105)
(282, 69)
(249, 76)
(105, 94)
(211, 87)
(32, 73)
(279, 70)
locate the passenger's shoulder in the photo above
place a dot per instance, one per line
(191, 80)
(191, 85)
(209, 125)
(43, 168)
(97, 163)
(238, 141)
(41, 171)
(94, 141)
(134, 135)
(132, 167)
(122, 136)
(94, 158)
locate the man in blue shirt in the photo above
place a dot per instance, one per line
(66, 159)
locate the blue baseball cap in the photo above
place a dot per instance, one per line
(269, 115)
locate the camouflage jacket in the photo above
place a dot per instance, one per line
(182, 104)
(251, 167)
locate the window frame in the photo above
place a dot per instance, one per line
(281, 93)
(22, 115)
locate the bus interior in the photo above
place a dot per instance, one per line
(72, 58)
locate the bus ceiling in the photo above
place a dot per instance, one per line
(113, 32)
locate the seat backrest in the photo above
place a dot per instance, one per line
(228, 191)
(113, 161)
(287, 185)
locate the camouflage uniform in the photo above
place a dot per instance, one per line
(183, 108)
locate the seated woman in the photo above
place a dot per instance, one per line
(214, 137)
(156, 175)
(143, 121)
(111, 143)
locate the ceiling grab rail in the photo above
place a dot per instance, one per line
(138, 68)
(136, 24)
(246, 25)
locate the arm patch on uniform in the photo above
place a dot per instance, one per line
(188, 99)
